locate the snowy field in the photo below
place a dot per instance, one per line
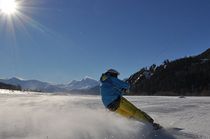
(45, 116)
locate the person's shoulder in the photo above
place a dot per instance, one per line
(115, 79)
(104, 77)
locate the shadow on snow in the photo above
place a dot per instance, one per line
(170, 133)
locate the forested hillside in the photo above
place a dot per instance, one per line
(185, 76)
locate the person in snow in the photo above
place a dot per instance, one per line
(112, 89)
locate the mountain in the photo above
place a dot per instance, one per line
(204, 55)
(9, 86)
(86, 83)
(91, 91)
(35, 85)
(86, 86)
(185, 76)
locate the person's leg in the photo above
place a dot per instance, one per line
(123, 113)
(127, 109)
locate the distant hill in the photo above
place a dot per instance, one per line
(32, 85)
(84, 85)
(8, 86)
(91, 91)
(185, 76)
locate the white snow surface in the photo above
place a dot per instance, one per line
(25, 115)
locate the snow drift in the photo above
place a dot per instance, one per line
(59, 117)
(42, 116)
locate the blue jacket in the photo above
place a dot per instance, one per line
(110, 88)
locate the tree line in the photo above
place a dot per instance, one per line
(185, 76)
(10, 87)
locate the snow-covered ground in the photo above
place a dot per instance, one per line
(26, 115)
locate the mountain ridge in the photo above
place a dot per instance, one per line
(36, 85)
(184, 76)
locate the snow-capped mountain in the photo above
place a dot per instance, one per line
(25, 84)
(35, 85)
(85, 83)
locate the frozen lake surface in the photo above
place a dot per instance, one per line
(45, 116)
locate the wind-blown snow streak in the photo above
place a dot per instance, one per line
(41, 116)
(60, 117)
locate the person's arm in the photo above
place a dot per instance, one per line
(119, 84)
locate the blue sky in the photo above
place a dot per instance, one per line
(62, 40)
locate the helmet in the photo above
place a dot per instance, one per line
(113, 72)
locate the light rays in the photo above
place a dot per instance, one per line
(16, 16)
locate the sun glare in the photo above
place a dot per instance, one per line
(13, 16)
(8, 7)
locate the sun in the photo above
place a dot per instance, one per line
(13, 17)
(8, 7)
